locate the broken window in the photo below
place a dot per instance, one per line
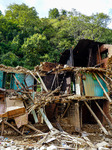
(8, 80)
(104, 54)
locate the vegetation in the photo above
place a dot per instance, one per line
(27, 40)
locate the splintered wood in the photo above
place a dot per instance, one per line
(62, 140)
(67, 93)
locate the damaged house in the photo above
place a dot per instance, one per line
(64, 96)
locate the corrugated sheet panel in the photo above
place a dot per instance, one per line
(92, 87)
(20, 77)
(29, 81)
(1, 78)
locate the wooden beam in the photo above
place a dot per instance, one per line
(33, 76)
(96, 118)
(43, 85)
(108, 77)
(13, 127)
(46, 119)
(110, 124)
(102, 88)
(103, 78)
(33, 128)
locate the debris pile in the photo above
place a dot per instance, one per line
(70, 92)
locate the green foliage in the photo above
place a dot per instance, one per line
(34, 47)
(27, 40)
(53, 13)
(9, 59)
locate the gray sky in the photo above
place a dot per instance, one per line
(86, 7)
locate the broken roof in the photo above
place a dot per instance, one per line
(80, 52)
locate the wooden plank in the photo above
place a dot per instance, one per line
(102, 88)
(108, 121)
(96, 118)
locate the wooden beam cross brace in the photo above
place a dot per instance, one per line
(96, 118)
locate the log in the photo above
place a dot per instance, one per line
(102, 88)
(96, 118)
(108, 121)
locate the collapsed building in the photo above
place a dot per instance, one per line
(74, 92)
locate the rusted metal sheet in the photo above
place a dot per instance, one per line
(92, 87)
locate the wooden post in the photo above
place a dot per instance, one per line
(77, 117)
(110, 124)
(77, 84)
(90, 56)
(2, 128)
(102, 87)
(74, 116)
(96, 118)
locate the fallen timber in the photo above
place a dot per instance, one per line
(35, 102)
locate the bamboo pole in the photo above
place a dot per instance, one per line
(96, 118)
(102, 87)
(110, 124)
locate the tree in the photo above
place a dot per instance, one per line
(53, 13)
(26, 18)
(9, 59)
(63, 12)
(33, 48)
(1, 13)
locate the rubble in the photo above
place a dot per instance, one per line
(24, 103)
